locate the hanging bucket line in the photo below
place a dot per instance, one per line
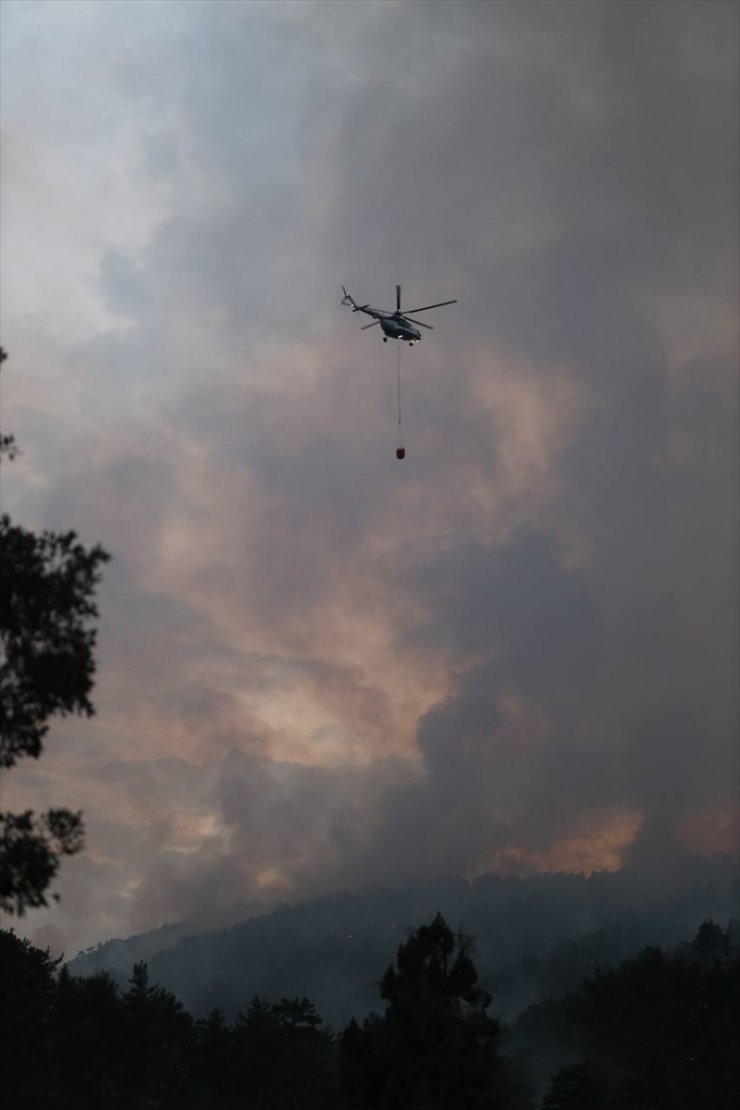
(400, 449)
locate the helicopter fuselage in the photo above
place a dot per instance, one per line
(394, 325)
(397, 328)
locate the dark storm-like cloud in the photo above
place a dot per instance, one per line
(281, 827)
(557, 638)
(488, 783)
(587, 136)
(630, 202)
(633, 715)
(553, 565)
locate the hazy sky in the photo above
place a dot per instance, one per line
(318, 666)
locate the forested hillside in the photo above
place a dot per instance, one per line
(657, 1033)
(535, 936)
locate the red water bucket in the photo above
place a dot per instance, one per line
(400, 452)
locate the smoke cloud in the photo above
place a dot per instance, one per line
(319, 667)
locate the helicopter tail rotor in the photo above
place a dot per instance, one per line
(350, 300)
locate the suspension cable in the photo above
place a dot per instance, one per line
(400, 449)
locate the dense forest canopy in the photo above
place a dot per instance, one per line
(656, 1033)
(535, 935)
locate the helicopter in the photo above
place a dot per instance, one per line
(398, 324)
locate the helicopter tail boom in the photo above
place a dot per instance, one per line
(349, 299)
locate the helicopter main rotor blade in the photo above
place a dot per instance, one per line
(366, 326)
(421, 322)
(428, 306)
(398, 298)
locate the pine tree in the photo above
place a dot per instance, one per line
(435, 1048)
(27, 975)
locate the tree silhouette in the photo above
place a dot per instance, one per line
(86, 1068)
(283, 1059)
(658, 1033)
(47, 584)
(27, 975)
(157, 1038)
(8, 445)
(212, 1059)
(435, 1048)
(78, 1043)
(587, 1086)
(47, 665)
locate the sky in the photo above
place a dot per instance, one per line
(320, 667)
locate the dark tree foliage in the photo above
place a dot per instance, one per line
(590, 1085)
(157, 1034)
(658, 1033)
(8, 445)
(435, 1047)
(213, 1049)
(47, 586)
(30, 849)
(47, 665)
(86, 1033)
(80, 1043)
(283, 1057)
(27, 990)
